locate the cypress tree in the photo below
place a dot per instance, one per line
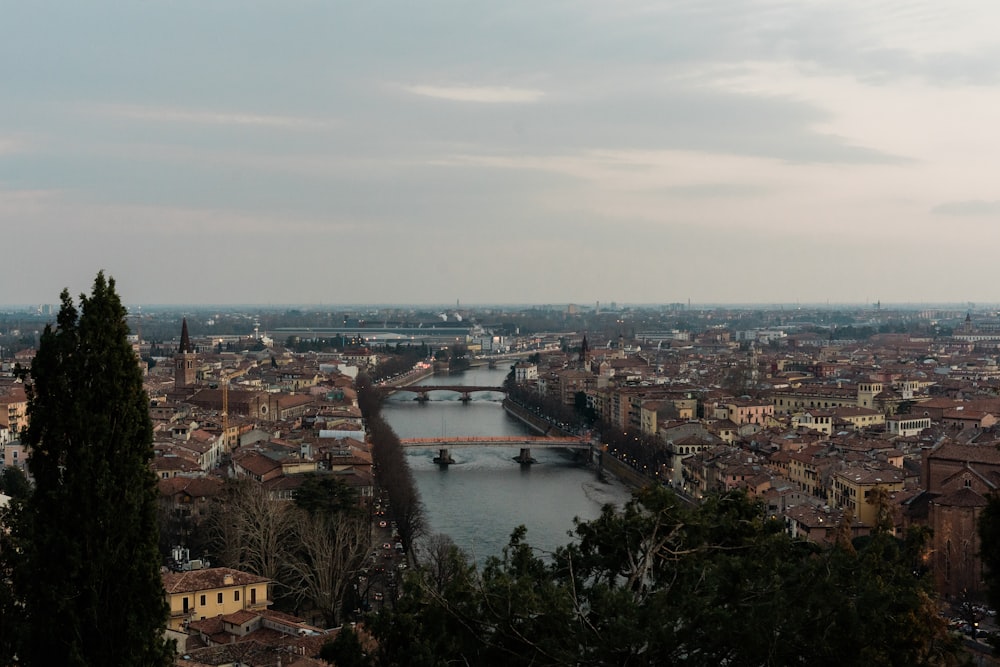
(88, 565)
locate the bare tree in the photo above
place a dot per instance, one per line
(330, 550)
(443, 562)
(251, 530)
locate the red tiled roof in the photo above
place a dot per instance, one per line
(963, 497)
(208, 626)
(213, 577)
(257, 464)
(196, 487)
(985, 453)
(240, 617)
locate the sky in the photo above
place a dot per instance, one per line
(542, 151)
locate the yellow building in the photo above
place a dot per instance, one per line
(860, 417)
(206, 593)
(852, 487)
(14, 410)
(808, 467)
(839, 419)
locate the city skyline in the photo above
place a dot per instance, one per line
(747, 152)
(579, 307)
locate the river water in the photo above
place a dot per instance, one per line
(484, 495)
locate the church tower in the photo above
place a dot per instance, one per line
(185, 372)
(867, 391)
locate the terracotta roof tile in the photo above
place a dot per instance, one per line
(985, 453)
(963, 497)
(213, 577)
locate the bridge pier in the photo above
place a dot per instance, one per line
(422, 397)
(465, 397)
(444, 457)
(524, 458)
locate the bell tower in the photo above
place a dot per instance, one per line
(185, 372)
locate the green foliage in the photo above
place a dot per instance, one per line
(345, 650)
(325, 494)
(86, 568)
(14, 483)
(458, 357)
(989, 541)
(661, 583)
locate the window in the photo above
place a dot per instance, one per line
(202, 600)
(236, 596)
(220, 598)
(185, 603)
(253, 596)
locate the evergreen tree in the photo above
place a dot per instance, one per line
(989, 541)
(87, 571)
(661, 583)
(345, 650)
(13, 483)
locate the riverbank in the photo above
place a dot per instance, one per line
(622, 471)
(409, 378)
(533, 421)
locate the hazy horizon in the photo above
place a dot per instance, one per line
(562, 305)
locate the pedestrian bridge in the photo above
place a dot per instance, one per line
(524, 443)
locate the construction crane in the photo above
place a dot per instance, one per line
(225, 411)
(224, 385)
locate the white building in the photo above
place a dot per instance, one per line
(525, 372)
(906, 425)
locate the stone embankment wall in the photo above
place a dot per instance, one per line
(413, 377)
(532, 420)
(626, 473)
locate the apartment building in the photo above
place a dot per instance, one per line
(201, 594)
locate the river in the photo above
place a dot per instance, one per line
(484, 495)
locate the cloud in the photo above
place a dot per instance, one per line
(969, 208)
(203, 117)
(479, 94)
(717, 190)
(11, 145)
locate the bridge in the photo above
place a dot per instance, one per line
(465, 390)
(524, 442)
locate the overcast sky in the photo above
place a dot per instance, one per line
(540, 151)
